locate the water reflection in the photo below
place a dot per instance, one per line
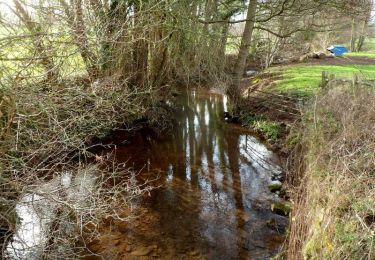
(37, 210)
(214, 184)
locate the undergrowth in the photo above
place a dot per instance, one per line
(269, 129)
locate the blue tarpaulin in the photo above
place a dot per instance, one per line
(338, 50)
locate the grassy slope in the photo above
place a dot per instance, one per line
(334, 207)
(303, 80)
(361, 54)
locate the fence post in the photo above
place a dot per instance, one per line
(325, 79)
(355, 84)
(355, 80)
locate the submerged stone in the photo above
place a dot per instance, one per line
(282, 208)
(142, 251)
(275, 186)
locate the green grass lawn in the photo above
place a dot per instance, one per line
(361, 54)
(304, 79)
(368, 50)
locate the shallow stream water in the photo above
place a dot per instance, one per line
(213, 201)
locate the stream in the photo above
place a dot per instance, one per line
(212, 199)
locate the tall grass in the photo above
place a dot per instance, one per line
(334, 211)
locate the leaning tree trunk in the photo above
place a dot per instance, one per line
(207, 16)
(159, 50)
(83, 43)
(140, 49)
(234, 90)
(215, 28)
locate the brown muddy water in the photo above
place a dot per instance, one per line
(213, 200)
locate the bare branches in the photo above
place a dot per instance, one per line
(46, 135)
(33, 27)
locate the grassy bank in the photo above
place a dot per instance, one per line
(331, 179)
(271, 130)
(334, 199)
(304, 79)
(368, 54)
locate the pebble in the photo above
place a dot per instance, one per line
(194, 253)
(142, 251)
(246, 218)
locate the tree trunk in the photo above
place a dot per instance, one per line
(115, 53)
(224, 39)
(362, 37)
(234, 90)
(353, 39)
(207, 17)
(140, 49)
(215, 28)
(77, 26)
(159, 50)
(82, 41)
